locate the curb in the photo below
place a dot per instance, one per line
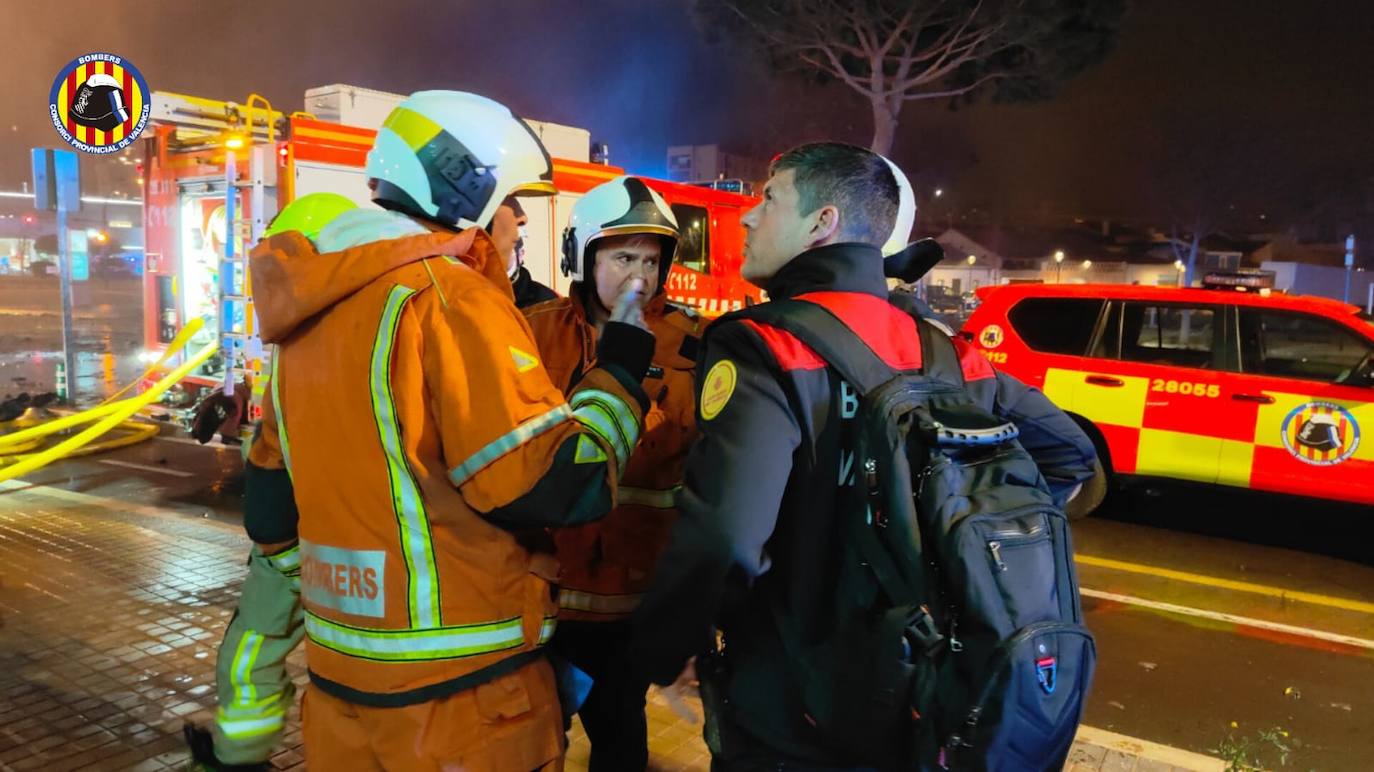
(1144, 749)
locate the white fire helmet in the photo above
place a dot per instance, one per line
(621, 207)
(451, 157)
(906, 213)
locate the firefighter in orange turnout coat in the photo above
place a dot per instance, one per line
(420, 437)
(617, 232)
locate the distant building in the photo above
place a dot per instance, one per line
(707, 163)
(1288, 250)
(28, 235)
(1091, 253)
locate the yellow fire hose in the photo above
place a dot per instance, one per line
(111, 414)
(32, 436)
(177, 344)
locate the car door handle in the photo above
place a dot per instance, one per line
(1263, 399)
(1105, 380)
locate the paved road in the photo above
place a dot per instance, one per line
(1201, 620)
(107, 321)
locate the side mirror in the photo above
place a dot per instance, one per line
(1364, 374)
(1361, 375)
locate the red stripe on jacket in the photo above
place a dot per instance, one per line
(889, 331)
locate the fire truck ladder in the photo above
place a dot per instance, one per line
(206, 123)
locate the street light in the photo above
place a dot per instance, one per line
(939, 192)
(1087, 264)
(971, 260)
(1058, 260)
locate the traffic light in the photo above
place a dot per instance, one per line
(29, 219)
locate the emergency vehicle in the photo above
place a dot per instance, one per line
(197, 237)
(1241, 387)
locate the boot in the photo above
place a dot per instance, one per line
(202, 745)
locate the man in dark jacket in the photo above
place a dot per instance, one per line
(505, 227)
(759, 502)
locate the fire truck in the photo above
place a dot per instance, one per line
(216, 172)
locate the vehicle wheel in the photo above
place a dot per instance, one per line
(1091, 496)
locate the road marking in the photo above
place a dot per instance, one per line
(197, 443)
(1134, 746)
(147, 468)
(1229, 584)
(1301, 632)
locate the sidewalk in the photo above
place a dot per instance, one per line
(110, 614)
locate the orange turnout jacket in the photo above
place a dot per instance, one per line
(422, 437)
(607, 565)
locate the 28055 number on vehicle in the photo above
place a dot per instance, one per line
(1186, 388)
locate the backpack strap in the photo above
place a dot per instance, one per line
(939, 358)
(839, 346)
(857, 363)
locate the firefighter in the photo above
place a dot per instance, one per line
(618, 232)
(414, 425)
(251, 683)
(507, 233)
(758, 505)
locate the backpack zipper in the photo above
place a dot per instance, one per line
(945, 460)
(1034, 533)
(995, 547)
(1001, 657)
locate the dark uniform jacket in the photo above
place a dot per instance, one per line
(758, 522)
(527, 290)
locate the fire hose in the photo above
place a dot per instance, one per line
(17, 460)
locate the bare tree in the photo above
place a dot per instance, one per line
(898, 51)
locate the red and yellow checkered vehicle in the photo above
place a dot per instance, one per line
(1251, 389)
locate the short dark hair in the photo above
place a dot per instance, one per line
(856, 181)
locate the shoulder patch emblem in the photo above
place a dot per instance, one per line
(717, 388)
(524, 362)
(588, 452)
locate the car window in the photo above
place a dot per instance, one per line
(1168, 334)
(694, 245)
(1056, 325)
(1291, 345)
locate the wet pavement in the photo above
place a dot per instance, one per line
(111, 612)
(107, 322)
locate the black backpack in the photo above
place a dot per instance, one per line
(958, 639)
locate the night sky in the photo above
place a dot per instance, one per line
(1294, 78)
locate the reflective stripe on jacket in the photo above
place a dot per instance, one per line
(421, 434)
(606, 566)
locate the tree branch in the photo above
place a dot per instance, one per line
(834, 67)
(961, 53)
(896, 35)
(866, 43)
(909, 96)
